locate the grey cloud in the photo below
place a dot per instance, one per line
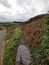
(5, 3)
(20, 2)
(31, 8)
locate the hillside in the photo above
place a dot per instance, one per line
(34, 34)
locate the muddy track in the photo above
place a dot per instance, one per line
(23, 55)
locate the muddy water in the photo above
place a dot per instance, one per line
(2, 33)
(23, 52)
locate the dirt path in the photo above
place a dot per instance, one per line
(23, 52)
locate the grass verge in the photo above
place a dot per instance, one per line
(9, 53)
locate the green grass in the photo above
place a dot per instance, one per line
(9, 53)
(8, 36)
(45, 38)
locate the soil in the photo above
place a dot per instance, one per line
(33, 32)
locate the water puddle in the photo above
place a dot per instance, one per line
(23, 53)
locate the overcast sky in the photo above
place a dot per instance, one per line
(21, 10)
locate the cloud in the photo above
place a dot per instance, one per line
(5, 3)
(21, 10)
